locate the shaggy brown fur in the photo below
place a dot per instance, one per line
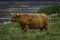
(31, 21)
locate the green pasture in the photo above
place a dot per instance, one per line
(13, 31)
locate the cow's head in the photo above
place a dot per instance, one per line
(14, 17)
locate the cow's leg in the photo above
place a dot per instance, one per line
(45, 27)
(41, 29)
(25, 28)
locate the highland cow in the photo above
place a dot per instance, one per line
(31, 21)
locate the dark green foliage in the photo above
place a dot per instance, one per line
(50, 10)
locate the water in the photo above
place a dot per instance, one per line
(4, 20)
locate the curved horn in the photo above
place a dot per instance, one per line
(17, 13)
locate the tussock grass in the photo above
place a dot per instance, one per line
(13, 31)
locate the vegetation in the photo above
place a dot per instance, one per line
(50, 10)
(13, 31)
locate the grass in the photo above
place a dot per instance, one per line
(13, 31)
